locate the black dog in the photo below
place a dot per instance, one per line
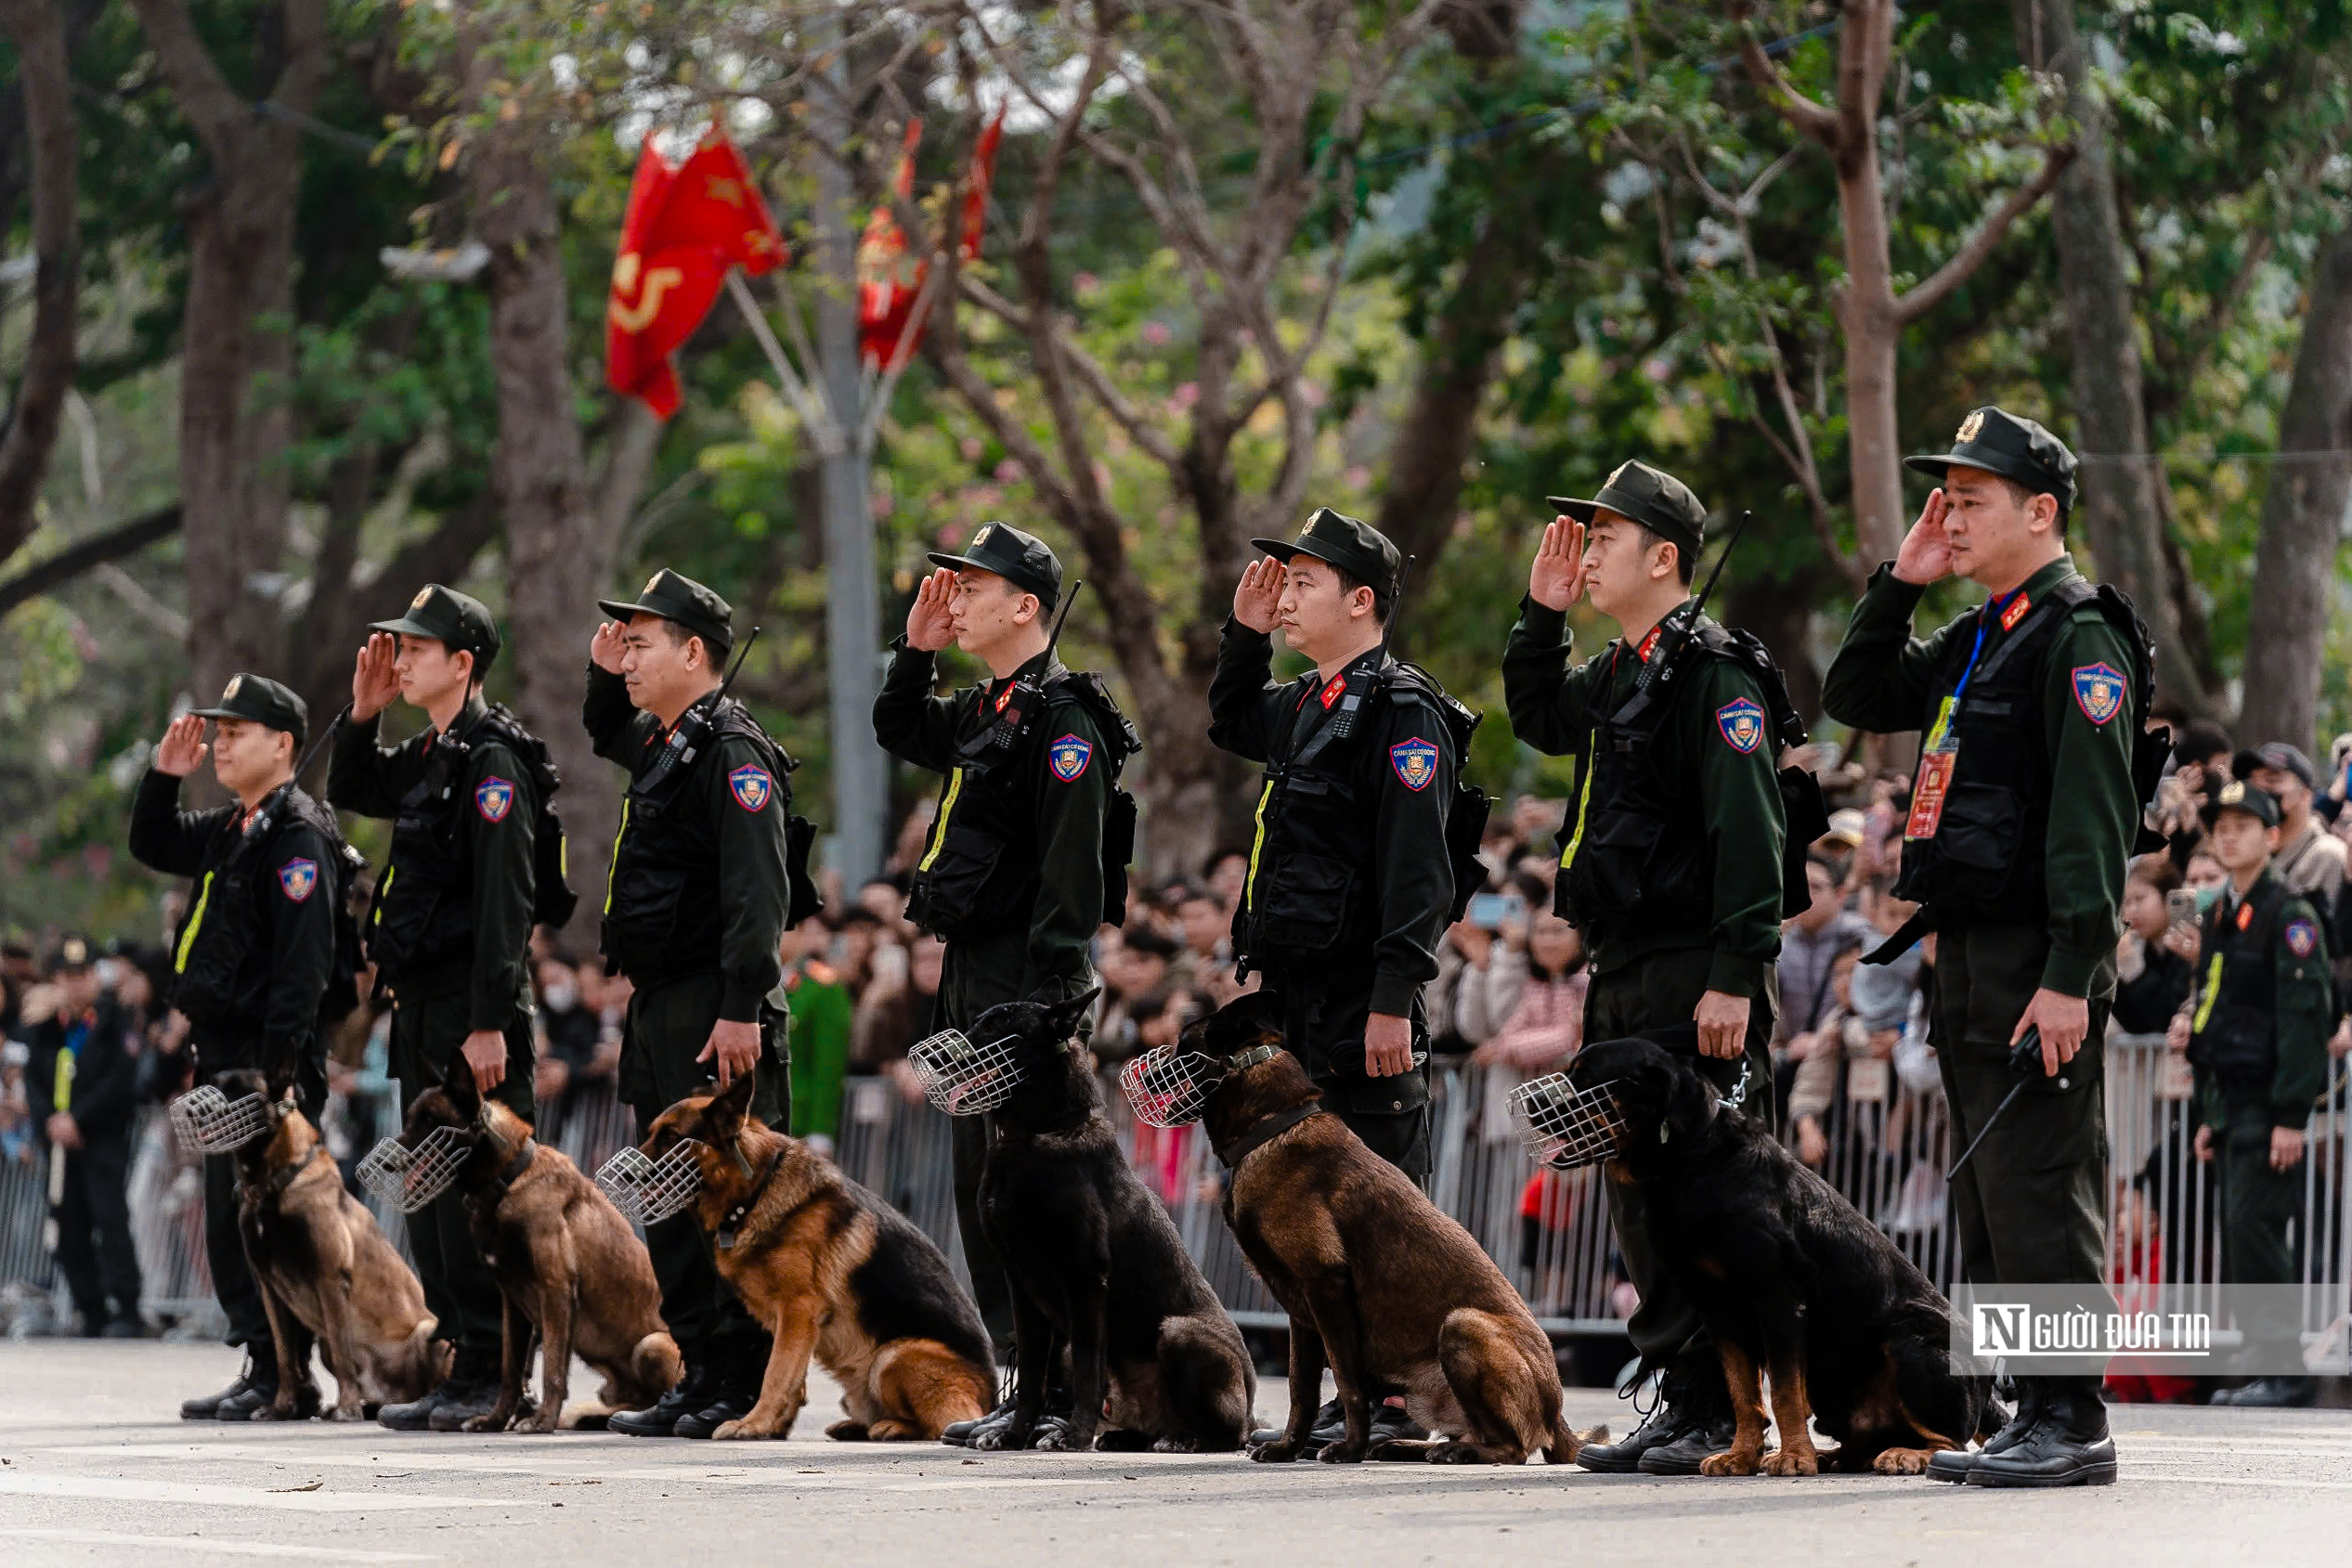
(1792, 1281)
(1095, 1266)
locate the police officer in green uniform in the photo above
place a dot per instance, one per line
(1672, 859)
(693, 915)
(1350, 884)
(450, 928)
(1013, 874)
(2257, 1033)
(2023, 818)
(253, 963)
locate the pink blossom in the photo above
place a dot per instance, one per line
(971, 446)
(1084, 284)
(1156, 333)
(949, 534)
(1185, 395)
(1008, 472)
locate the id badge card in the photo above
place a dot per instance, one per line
(1938, 757)
(1869, 1080)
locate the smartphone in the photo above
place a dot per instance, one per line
(2180, 906)
(1492, 912)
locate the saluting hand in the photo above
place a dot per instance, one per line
(182, 747)
(606, 648)
(1926, 554)
(930, 622)
(374, 681)
(1257, 598)
(1556, 580)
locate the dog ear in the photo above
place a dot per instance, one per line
(465, 1094)
(723, 1118)
(1064, 1017)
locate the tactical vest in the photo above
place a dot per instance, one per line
(422, 914)
(661, 907)
(1636, 847)
(1985, 860)
(1312, 891)
(220, 968)
(978, 873)
(2234, 1032)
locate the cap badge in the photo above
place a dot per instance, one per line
(987, 532)
(652, 581)
(1969, 427)
(2232, 792)
(1617, 473)
(422, 594)
(229, 691)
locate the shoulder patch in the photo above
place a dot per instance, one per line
(494, 797)
(752, 786)
(1742, 722)
(299, 878)
(1068, 758)
(1415, 761)
(2303, 938)
(2099, 691)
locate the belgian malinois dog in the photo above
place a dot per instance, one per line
(324, 1266)
(835, 1274)
(572, 1274)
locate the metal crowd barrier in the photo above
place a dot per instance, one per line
(1888, 1147)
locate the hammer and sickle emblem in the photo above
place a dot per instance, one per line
(658, 282)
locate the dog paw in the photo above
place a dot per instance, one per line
(1456, 1454)
(1792, 1461)
(1343, 1453)
(346, 1413)
(1901, 1461)
(1059, 1439)
(851, 1431)
(730, 1432)
(1176, 1445)
(1275, 1453)
(494, 1422)
(1003, 1438)
(1730, 1463)
(545, 1421)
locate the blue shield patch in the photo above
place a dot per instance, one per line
(1415, 761)
(299, 878)
(752, 786)
(1068, 758)
(1742, 722)
(2303, 938)
(494, 797)
(2099, 691)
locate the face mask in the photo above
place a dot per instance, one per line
(560, 998)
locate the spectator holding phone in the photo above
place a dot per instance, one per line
(2153, 960)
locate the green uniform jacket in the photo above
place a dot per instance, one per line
(916, 725)
(369, 780)
(2305, 1013)
(1884, 680)
(754, 884)
(1249, 715)
(822, 1013)
(1554, 709)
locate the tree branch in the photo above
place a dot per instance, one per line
(1813, 119)
(1925, 296)
(127, 539)
(37, 29)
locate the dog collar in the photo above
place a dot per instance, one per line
(1252, 1057)
(280, 1180)
(1266, 1131)
(731, 1222)
(516, 1166)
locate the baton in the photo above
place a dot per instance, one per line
(2025, 1060)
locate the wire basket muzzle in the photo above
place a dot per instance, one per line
(207, 1122)
(407, 1178)
(961, 1078)
(1566, 1126)
(649, 1190)
(1170, 1088)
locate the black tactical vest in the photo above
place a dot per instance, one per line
(424, 909)
(2234, 1032)
(1636, 847)
(661, 907)
(979, 873)
(1984, 860)
(1311, 896)
(221, 970)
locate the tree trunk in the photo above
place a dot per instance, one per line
(2303, 518)
(2120, 510)
(37, 29)
(558, 549)
(1874, 443)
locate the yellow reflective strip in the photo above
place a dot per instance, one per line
(612, 864)
(1248, 884)
(1583, 799)
(61, 1094)
(381, 889)
(188, 938)
(2213, 990)
(939, 828)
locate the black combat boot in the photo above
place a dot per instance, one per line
(660, 1419)
(207, 1407)
(2066, 1446)
(743, 1365)
(1954, 1464)
(473, 1392)
(1694, 1388)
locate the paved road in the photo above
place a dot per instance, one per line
(94, 1471)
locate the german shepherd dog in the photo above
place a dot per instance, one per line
(322, 1265)
(573, 1276)
(1096, 1265)
(1376, 1278)
(834, 1272)
(1793, 1284)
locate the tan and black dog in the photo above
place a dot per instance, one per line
(834, 1272)
(1378, 1281)
(570, 1271)
(320, 1261)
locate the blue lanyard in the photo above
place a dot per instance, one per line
(1993, 607)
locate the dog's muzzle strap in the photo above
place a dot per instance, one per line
(648, 1190)
(207, 1122)
(961, 1078)
(1566, 1126)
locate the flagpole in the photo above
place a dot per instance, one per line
(823, 427)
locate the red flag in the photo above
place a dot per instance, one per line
(684, 229)
(888, 284)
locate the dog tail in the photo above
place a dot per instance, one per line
(1565, 1441)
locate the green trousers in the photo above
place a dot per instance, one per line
(667, 1028)
(1657, 990)
(2259, 1209)
(428, 1028)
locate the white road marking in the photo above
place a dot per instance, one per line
(199, 1545)
(199, 1494)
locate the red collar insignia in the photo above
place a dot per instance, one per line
(1003, 697)
(1330, 693)
(2015, 612)
(1643, 653)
